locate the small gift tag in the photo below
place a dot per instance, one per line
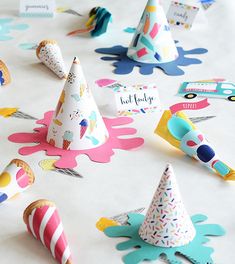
(181, 15)
(137, 99)
(37, 8)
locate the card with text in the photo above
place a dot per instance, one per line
(37, 8)
(181, 15)
(137, 99)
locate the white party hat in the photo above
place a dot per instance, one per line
(167, 223)
(76, 123)
(152, 41)
(49, 53)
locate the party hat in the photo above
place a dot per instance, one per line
(167, 223)
(43, 222)
(49, 53)
(16, 177)
(152, 41)
(5, 77)
(76, 123)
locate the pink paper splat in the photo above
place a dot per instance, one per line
(104, 82)
(67, 159)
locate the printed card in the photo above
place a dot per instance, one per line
(37, 8)
(181, 15)
(137, 99)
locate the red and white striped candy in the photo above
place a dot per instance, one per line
(44, 224)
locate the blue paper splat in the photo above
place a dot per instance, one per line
(124, 65)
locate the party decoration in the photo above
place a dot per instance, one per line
(207, 3)
(166, 229)
(7, 25)
(180, 132)
(28, 46)
(125, 65)
(76, 123)
(181, 15)
(49, 53)
(167, 223)
(130, 30)
(195, 252)
(68, 11)
(48, 165)
(189, 106)
(198, 119)
(67, 159)
(212, 89)
(5, 77)
(43, 222)
(97, 24)
(32, 8)
(14, 112)
(121, 219)
(15, 178)
(152, 41)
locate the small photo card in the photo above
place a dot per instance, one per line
(37, 8)
(137, 99)
(181, 15)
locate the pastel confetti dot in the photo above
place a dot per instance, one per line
(22, 178)
(3, 197)
(5, 179)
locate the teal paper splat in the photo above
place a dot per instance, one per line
(195, 251)
(6, 27)
(28, 46)
(103, 18)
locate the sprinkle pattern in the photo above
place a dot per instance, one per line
(167, 223)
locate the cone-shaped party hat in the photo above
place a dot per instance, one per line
(5, 77)
(16, 177)
(167, 223)
(152, 41)
(49, 53)
(76, 123)
(43, 222)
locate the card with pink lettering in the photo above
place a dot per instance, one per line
(137, 99)
(181, 15)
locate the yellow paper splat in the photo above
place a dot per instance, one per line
(90, 21)
(104, 222)
(7, 112)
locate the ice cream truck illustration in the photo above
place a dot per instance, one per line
(208, 89)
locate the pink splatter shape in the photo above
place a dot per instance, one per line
(67, 159)
(104, 82)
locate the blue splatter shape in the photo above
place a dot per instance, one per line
(125, 65)
(6, 27)
(196, 252)
(3, 197)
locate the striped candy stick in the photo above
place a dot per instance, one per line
(43, 222)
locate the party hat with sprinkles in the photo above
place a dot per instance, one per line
(49, 53)
(152, 41)
(43, 222)
(76, 123)
(167, 223)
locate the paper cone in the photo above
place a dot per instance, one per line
(167, 223)
(5, 77)
(179, 131)
(49, 53)
(43, 222)
(15, 178)
(76, 123)
(152, 41)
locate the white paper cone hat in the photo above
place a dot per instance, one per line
(152, 41)
(167, 223)
(49, 53)
(76, 123)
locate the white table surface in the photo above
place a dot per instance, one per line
(130, 179)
